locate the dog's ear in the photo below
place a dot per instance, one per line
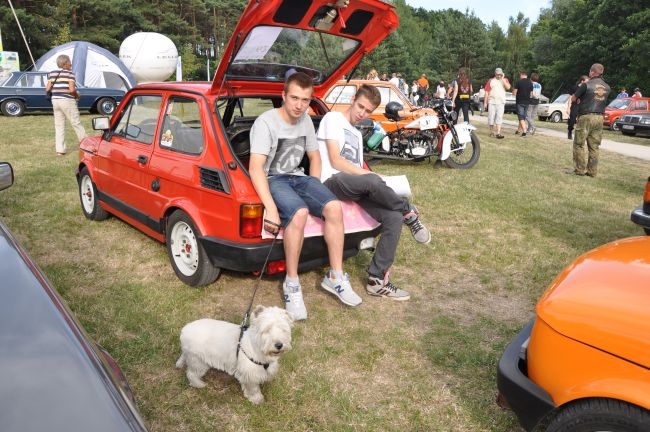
(289, 317)
(258, 310)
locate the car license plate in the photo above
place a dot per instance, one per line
(628, 127)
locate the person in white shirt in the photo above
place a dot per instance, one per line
(495, 101)
(394, 80)
(441, 90)
(341, 148)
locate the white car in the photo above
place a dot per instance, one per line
(555, 111)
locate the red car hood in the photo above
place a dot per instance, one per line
(603, 300)
(323, 38)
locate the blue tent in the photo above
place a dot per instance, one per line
(93, 66)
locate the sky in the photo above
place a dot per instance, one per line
(488, 10)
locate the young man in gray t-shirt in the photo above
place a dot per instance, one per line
(279, 139)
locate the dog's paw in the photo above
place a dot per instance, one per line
(256, 399)
(196, 383)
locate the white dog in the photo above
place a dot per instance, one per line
(208, 343)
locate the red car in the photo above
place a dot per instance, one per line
(172, 160)
(623, 106)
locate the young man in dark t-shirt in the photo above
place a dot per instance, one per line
(522, 90)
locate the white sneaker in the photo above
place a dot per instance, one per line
(412, 219)
(384, 288)
(293, 302)
(341, 288)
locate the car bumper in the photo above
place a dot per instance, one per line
(634, 128)
(641, 217)
(530, 402)
(249, 257)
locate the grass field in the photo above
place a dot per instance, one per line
(501, 232)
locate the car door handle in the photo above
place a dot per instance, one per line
(142, 159)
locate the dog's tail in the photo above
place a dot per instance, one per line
(181, 361)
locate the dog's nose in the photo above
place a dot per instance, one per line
(278, 345)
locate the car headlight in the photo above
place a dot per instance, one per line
(645, 121)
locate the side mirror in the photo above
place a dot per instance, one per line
(101, 123)
(6, 175)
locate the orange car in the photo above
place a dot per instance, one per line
(339, 96)
(583, 362)
(623, 106)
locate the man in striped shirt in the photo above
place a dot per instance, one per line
(62, 83)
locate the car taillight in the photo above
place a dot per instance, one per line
(646, 193)
(250, 220)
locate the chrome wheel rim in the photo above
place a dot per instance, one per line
(184, 247)
(87, 194)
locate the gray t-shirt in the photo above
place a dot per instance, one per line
(284, 144)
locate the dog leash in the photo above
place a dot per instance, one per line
(246, 321)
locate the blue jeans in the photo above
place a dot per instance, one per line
(521, 111)
(293, 192)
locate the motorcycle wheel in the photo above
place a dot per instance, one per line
(466, 158)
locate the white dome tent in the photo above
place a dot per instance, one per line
(93, 66)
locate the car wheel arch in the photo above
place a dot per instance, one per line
(610, 387)
(556, 116)
(189, 209)
(17, 100)
(96, 106)
(563, 410)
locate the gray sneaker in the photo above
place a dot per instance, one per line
(384, 288)
(293, 302)
(419, 231)
(341, 288)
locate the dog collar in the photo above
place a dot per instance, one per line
(240, 348)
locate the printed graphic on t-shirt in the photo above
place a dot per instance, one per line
(288, 155)
(351, 150)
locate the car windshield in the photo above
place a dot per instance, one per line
(561, 98)
(619, 103)
(271, 53)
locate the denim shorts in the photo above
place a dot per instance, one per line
(293, 192)
(521, 111)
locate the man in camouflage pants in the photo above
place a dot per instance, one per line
(589, 129)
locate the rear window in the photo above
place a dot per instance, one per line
(271, 53)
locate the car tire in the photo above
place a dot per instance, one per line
(556, 117)
(13, 108)
(89, 197)
(186, 254)
(106, 106)
(646, 231)
(614, 126)
(591, 415)
(540, 118)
